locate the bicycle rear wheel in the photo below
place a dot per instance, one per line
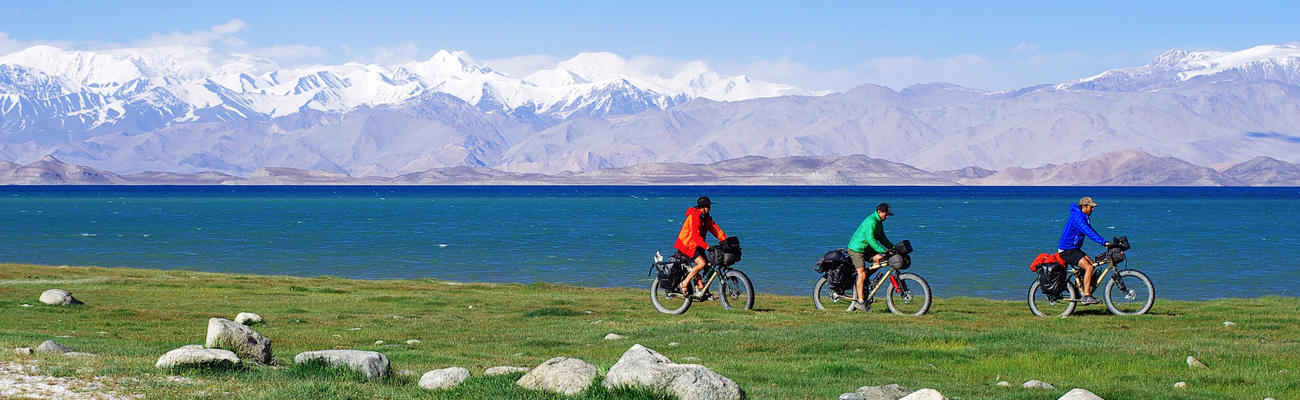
(1041, 306)
(667, 300)
(1135, 298)
(913, 298)
(737, 291)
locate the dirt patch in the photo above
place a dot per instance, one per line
(24, 380)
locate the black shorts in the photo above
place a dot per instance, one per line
(699, 252)
(1072, 257)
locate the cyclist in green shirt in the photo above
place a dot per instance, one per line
(868, 241)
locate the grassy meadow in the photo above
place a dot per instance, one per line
(784, 349)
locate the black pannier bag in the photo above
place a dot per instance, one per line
(900, 261)
(1051, 280)
(725, 253)
(670, 273)
(843, 278)
(831, 261)
(903, 247)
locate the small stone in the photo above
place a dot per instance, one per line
(613, 336)
(471, 306)
(925, 394)
(1268, 398)
(26, 351)
(596, 322)
(24, 305)
(58, 297)
(1229, 324)
(1004, 383)
(1037, 384)
(504, 371)
(338, 335)
(354, 329)
(50, 346)
(588, 311)
(379, 342)
(1180, 385)
(102, 333)
(886, 392)
(443, 378)
(674, 344)
(1079, 394)
(413, 342)
(248, 318)
(1192, 362)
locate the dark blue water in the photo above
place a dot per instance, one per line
(1195, 243)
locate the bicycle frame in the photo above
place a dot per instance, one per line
(890, 273)
(1077, 274)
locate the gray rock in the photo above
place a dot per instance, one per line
(564, 375)
(504, 370)
(852, 396)
(1004, 383)
(371, 364)
(379, 342)
(1229, 324)
(1180, 385)
(886, 392)
(642, 367)
(1037, 384)
(1079, 394)
(58, 297)
(614, 336)
(189, 356)
(673, 344)
(443, 378)
(413, 342)
(26, 351)
(925, 394)
(244, 341)
(248, 318)
(50, 346)
(1192, 362)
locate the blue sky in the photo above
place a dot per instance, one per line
(819, 45)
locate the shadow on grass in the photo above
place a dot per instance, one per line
(552, 312)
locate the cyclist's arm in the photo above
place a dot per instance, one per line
(1091, 233)
(717, 230)
(875, 243)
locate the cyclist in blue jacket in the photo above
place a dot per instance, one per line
(1070, 246)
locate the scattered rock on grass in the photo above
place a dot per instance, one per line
(58, 297)
(1192, 362)
(248, 318)
(1037, 384)
(925, 394)
(504, 370)
(886, 392)
(50, 346)
(1229, 324)
(1080, 394)
(674, 344)
(369, 363)
(244, 341)
(1180, 385)
(443, 378)
(26, 351)
(379, 342)
(189, 356)
(564, 375)
(644, 368)
(613, 336)
(1004, 383)
(413, 342)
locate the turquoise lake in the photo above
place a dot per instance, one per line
(1195, 243)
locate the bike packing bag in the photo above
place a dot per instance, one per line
(1051, 279)
(670, 274)
(900, 261)
(903, 247)
(1044, 258)
(831, 261)
(726, 252)
(843, 278)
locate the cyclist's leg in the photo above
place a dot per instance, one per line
(860, 263)
(699, 265)
(1086, 264)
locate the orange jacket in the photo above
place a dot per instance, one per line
(693, 230)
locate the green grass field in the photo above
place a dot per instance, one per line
(784, 349)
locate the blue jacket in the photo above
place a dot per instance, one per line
(1075, 228)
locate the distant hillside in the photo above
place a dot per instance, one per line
(1266, 171)
(1121, 168)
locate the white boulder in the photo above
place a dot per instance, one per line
(564, 375)
(244, 341)
(58, 297)
(189, 356)
(248, 318)
(642, 367)
(443, 378)
(372, 365)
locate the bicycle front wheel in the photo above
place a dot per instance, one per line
(1130, 292)
(1042, 306)
(667, 300)
(912, 296)
(737, 291)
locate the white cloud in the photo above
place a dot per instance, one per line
(220, 34)
(393, 54)
(289, 54)
(521, 66)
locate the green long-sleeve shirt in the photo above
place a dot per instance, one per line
(870, 233)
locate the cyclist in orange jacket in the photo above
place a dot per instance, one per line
(690, 241)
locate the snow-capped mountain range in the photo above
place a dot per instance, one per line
(192, 84)
(188, 109)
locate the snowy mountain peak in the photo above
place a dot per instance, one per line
(1264, 62)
